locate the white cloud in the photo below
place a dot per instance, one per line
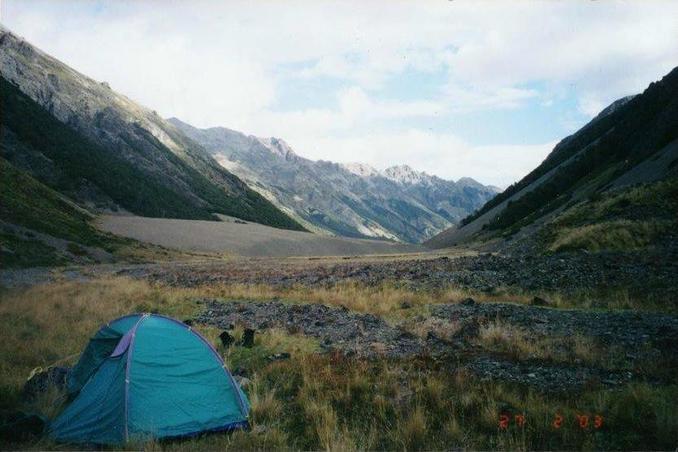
(470, 98)
(355, 103)
(444, 155)
(226, 63)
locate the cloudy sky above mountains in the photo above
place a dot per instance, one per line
(454, 88)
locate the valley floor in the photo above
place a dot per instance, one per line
(242, 238)
(417, 351)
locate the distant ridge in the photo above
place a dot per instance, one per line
(349, 199)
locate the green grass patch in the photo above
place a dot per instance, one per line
(619, 235)
(624, 220)
(26, 202)
(16, 251)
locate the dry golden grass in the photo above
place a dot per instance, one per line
(501, 336)
(413, 429)
(622, 235)
(610, 220)
(51, 323)
(442, 328)
(381, 300)
(385, 300)
(265, 406)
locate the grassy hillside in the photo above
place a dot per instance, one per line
(610, 145)
(66, 161)
(40, 227)
(28, 203)
(616, 221)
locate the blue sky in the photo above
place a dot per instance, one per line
(531, 122)
(454, 88)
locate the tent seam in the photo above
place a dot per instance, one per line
(130, 351)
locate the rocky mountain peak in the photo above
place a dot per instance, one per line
(616, 105)
(404, 174)
(181, 179)
(278, 147)
(360, 169)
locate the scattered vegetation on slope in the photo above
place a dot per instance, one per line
(625, 220)
(620, 235)
(27, 202)
(40, 227)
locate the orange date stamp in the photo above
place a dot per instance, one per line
(583, 421)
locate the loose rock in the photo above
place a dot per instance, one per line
(538, 301)
(467, 302)
(226, 339)
(248, 338)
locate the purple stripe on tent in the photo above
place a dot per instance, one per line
(123, 344)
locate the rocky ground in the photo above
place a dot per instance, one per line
(641, 274)
(628, 345)
(630, 330)
(566, 273)
(365, 335)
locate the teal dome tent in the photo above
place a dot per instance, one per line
(147, 376)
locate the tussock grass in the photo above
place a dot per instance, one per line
(629, 219)
(265, 406)
(604, 298)
(380, 300)
(618, 235)
(386, 300)
(346, 404)
(503, 337)
(266, 343)
(413, 429)
(51, 322)
(54, 321)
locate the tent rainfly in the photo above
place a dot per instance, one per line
(146, 376)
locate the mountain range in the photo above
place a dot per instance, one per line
(354, 199)
(71, 148)
(109, 154)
